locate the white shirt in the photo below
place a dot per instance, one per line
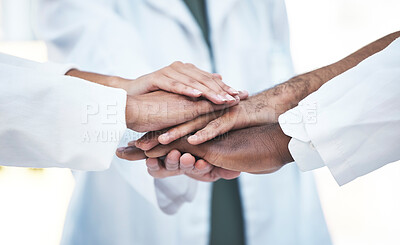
(51, 120)
(352, 123)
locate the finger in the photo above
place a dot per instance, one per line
(132, 143)
(130, 153)
(172, 160)
(210, 81)
(206, 79)
(155, 169)
(187, 162)
(203, 166)
(153, 164)
(218, 79)
(149, 140)
(216, 127)
(176, 75)
(203, 171)
(214, 84)
(178, 87)
(204, 106)
(181, 145)
(186, 128)
(243, 94)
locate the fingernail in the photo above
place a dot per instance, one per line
(129, 149)
(196, 92)
(233, 91)
(120, 149)
(237, 97)
(229, 97)
(165, 136)
(220, 97)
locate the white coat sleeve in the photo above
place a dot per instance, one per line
(48, 67)
(51, 120)
(79, 42)
(352, 123)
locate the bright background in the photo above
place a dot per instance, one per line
(365, 212)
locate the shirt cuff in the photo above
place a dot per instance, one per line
(301, 148)
(173, 192)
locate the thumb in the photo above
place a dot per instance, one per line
(130, 153)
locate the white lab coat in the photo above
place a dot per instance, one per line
(352, 123)
(132, 37)
(42, 117)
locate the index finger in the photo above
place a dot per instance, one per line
(149, 140)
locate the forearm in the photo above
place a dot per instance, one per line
(288, 94)
(360, 111)
(110, 81)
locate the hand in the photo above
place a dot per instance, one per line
(179, 78)
(263, 108)
(159, 110)
(177, 164)
(185, 79)
(262, 149)
(257, 110)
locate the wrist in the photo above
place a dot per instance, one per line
(116, 82)
(283, 145)
(279, 145)
(109, 81)
(131, 112)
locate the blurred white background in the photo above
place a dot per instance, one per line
(366, 212)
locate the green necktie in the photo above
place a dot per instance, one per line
(227, 226)
(199, 12)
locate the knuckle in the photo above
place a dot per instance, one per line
(215, 124)
(206, 79)
(193, 114)
(153, 173)
(176, 64)
(164, 71)
(172, 166)
(202, 107)
(176, 132)
(189, 65)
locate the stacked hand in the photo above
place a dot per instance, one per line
(261, 149)
(249, 140)
(166, 98)
(170, 96)
(231, 133)
(243, 136)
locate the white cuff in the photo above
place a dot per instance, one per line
(173, 192)
(300, 146)
(305, 155)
